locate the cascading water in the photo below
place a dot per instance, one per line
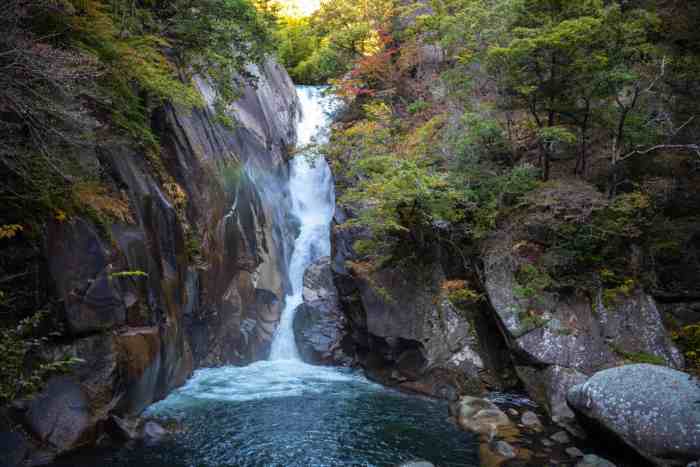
(313, 203)
(283, 412)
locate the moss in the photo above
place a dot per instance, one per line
(639, 357)
(623, 289)
(530, 320)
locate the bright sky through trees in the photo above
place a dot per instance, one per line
(300, 7)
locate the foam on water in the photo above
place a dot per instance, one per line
(262, 380)
(313, 204)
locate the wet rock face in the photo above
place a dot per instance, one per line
(204, 262)
(319, 323)
(651, 408)
(79, 264)
(417, 339)
(404, 329)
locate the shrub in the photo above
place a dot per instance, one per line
(19, 377)
(688, 339)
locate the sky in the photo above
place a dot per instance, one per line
(305, 7)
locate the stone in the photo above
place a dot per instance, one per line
(591, 460)
(481, 416)
(546, 442)
(504, 449)
(153, 432)
(14, 449)
(573, 452)
(123, 429)
(560, 437)
(651, 408)
(531, 420)
(60, 415)
(319, 323)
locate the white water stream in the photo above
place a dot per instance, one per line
(313, 204)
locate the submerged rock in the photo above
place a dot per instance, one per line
(482, 417)
(153, 432)
(653, 409)
(505, 450)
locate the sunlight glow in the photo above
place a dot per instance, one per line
(299, 7)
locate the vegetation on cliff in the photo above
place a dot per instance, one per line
(463, 118)
(79, 75)
(471, 117)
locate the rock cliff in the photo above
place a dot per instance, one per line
(196, 279)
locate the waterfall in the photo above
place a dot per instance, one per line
(313, 204)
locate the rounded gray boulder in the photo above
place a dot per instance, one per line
(653, 409)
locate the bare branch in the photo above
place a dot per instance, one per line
(674, 147)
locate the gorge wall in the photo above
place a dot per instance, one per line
(197, 278)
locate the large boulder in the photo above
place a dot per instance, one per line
(653, 409)
(560, 336)
(60, 415)
(415, 336)
(319, 323)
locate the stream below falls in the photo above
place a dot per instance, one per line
(283, 412)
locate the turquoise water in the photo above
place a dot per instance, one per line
(288, 414)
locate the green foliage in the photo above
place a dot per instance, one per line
(325, 45)
(461, 295)
(138, 47)
(18, 376)
(688, 339)
(134, 273)
(639, 357)
(598, 244)
(418, 106)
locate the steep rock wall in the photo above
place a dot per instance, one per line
(196, 279)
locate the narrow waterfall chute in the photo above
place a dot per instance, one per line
(313, 204)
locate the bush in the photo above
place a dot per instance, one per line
(19, 377)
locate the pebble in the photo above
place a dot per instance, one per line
(592, 460)
(574, 452)
(547, 442)
(530, 419)
(560, 437)
(504, 449)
